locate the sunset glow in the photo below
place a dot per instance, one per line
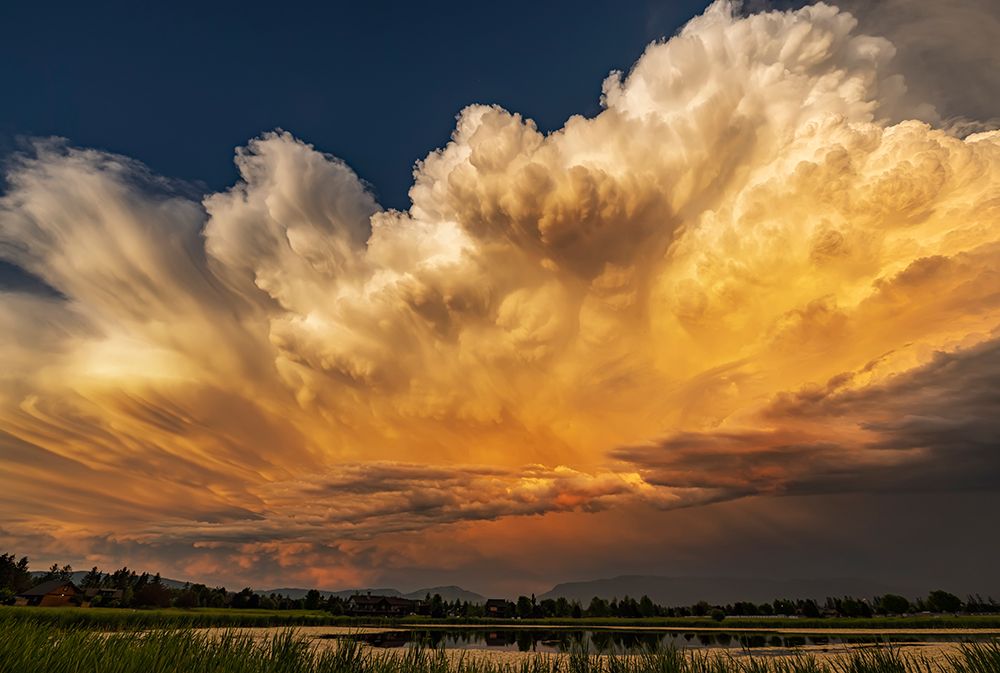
(761, 278)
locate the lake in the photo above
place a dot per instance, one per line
(625, 641)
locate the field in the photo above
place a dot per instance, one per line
(118, 618)
(121, 618)
(29, 646)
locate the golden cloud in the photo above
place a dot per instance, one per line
(738, 254)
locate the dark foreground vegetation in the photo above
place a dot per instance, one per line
(29, 646)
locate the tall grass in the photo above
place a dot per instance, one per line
(977, 658)
(31, 647)
(118, 618)
(111, 619)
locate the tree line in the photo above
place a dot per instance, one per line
(142, 590)
(130, 589)
(937, 601)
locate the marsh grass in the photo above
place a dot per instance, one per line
(111, 619)
(120, 618)
(32, 647)
(976, 658)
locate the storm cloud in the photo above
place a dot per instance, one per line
(744, 278)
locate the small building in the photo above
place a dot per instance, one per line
(103, 595)
(500, 608)
(367, 605)
(50, 594)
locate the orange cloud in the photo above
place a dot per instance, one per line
(741, 254)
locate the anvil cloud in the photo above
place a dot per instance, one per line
(749, 276)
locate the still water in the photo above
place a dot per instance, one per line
(555, 641)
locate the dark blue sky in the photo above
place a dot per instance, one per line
(178, 85)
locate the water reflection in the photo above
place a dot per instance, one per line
(565, 640)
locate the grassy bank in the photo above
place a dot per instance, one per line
(29, 646)
(121, 618)
(118, 618)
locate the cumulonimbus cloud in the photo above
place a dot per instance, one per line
(288, 362)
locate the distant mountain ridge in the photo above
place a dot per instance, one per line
(448, 593)
(675, 591)
(298, 592)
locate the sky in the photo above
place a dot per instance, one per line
(502, 296)
(180, 85)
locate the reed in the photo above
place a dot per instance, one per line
(30, 646)
(111, 619)
(121, 618)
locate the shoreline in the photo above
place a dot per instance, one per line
(709, 629)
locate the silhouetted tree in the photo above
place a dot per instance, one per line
(942, 601)
(523, 607)
(892, 604)
(598, 607)
(313, 598)
(152, 594)
(56, 573)
(245, 598)
(186, 599)
(92, 578)
(14, 575)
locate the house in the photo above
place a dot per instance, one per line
(50, 594)
(106, 596)
(381, 606)
(500, 608)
